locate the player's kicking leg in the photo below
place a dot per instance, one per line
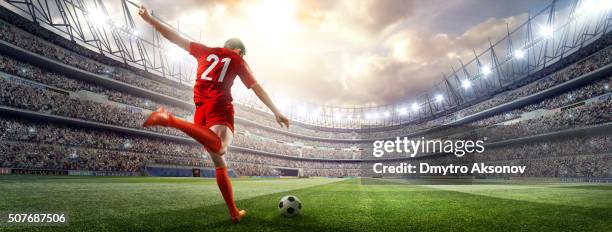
(223, 180)
(215, 139)
(161, 117)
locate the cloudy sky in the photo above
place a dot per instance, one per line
(348, 51)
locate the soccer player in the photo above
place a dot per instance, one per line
(213, 124)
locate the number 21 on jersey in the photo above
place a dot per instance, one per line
(215, 61)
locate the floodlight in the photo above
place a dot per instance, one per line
(98, 17)
(486, 70)
(466, 84)
(519, 54)
(415, 106)
(402, 111)
(439, 97)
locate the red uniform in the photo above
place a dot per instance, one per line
(217, 69)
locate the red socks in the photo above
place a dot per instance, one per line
(201, 134)
(225, 185)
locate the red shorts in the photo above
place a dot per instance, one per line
(210, 114)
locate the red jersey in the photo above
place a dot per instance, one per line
(217, 69)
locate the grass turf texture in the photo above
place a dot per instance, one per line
(179, 204)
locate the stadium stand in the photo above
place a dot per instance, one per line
(572, 94)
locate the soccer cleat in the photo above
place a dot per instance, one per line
(241, 214)
(159, 117)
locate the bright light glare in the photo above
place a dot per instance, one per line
(486, 70)
(591, 7)
(278, 16)
(98, 17)
(546, 31)
(316, 112)
(402, 111)
(466, 84)
(519, 54)
(220, 8)
(415, 106)
(439, 97)
(174, 52)
(302, 110)
(282, 103)
(387, 114)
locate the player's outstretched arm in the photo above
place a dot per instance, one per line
(166, 31)
(265, 98)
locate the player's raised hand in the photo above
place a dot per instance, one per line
(282, 120)
(144, 13)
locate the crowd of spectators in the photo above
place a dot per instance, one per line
(572, 157)
(48, 133)
(21, 69)
(43, 145)
(597, 55)
(37, 45)
(40, 99)
(61, 157)
(37, 98)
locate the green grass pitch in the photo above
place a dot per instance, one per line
(180, 204)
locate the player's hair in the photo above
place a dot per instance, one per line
(234, 43)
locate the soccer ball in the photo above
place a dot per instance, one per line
(290, 206)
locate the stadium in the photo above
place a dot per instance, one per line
(77, 87)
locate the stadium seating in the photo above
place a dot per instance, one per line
(260, 147)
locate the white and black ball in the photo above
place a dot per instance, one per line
(290, 206)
